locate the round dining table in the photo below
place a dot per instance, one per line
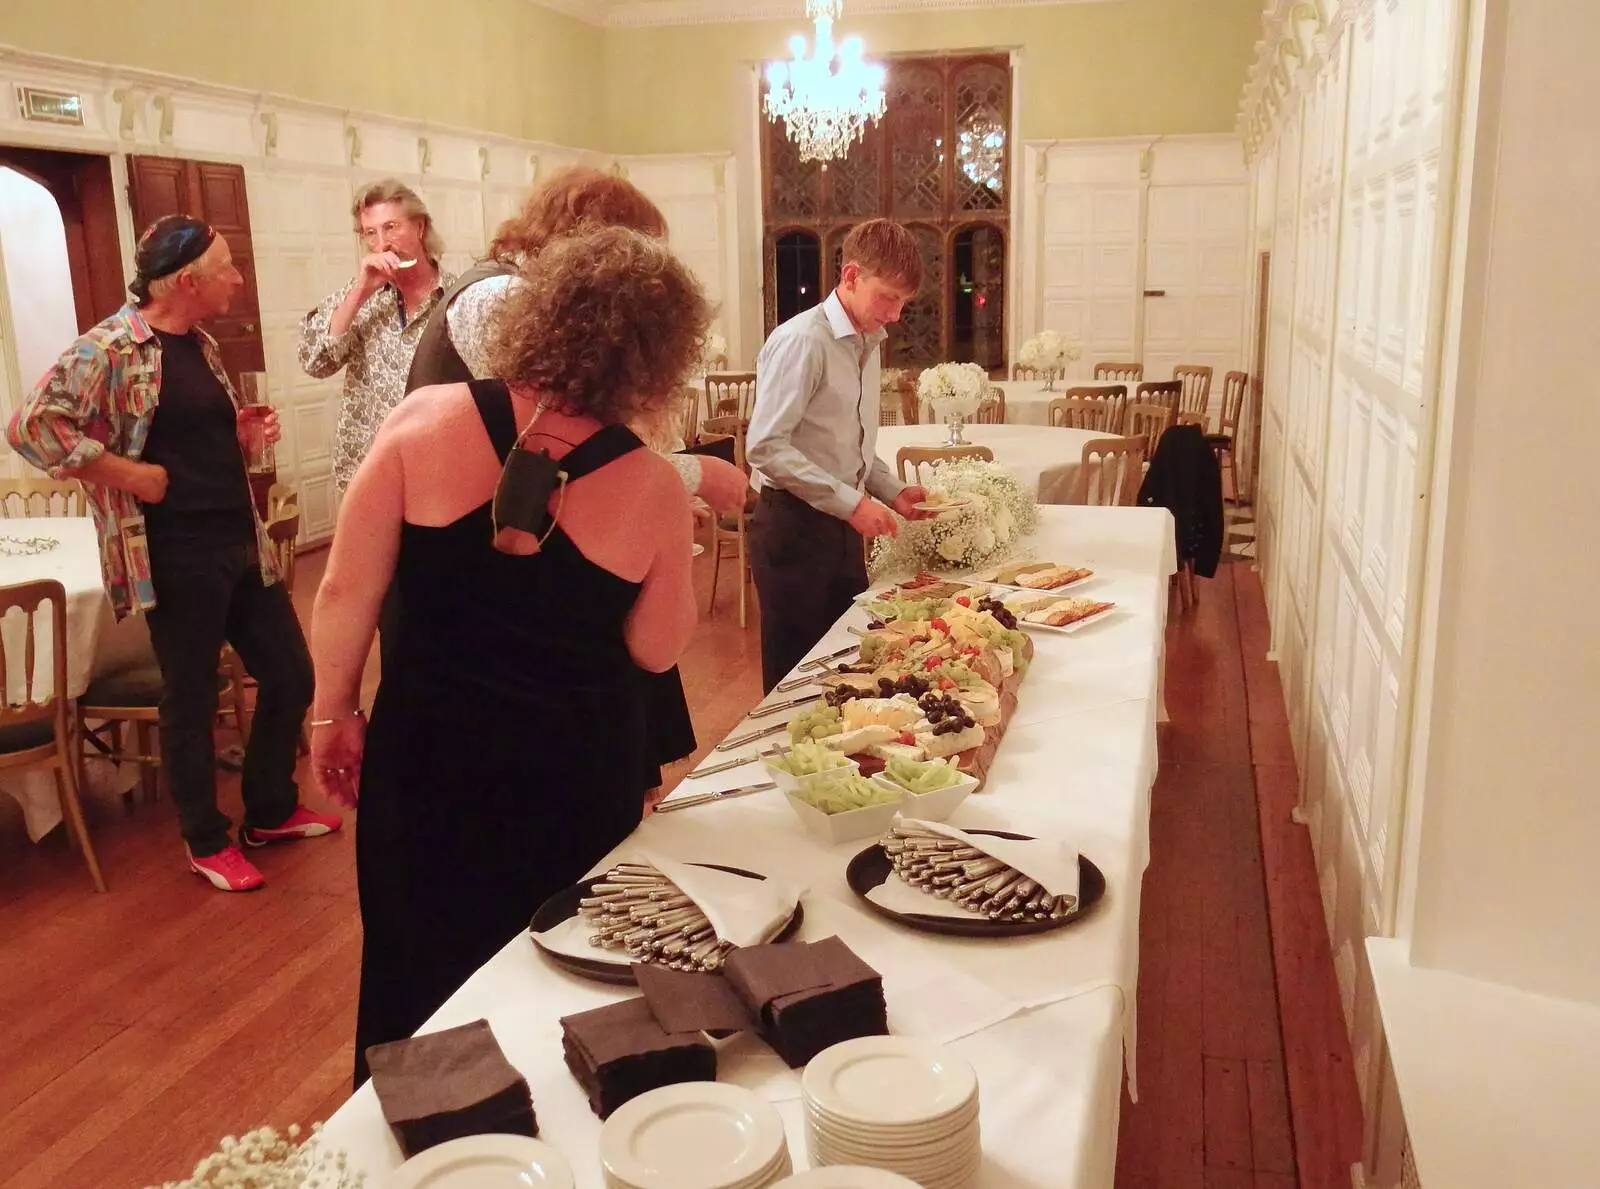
(70, 554)
(1044, 460)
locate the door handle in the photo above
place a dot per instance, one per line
(1155, 292)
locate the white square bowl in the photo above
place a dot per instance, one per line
(872, 822)
(934, 806)
(789, 782)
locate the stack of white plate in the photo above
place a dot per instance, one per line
(694, 1135)
(894, 1103)
(847, 1176)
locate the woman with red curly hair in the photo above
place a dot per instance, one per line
(506, 744)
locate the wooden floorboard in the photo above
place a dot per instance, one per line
(138, 1027)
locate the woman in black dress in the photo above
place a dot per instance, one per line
(507, 744)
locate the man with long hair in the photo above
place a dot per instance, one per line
(372, 326)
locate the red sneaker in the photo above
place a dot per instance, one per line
(302, 823)
(228, 870)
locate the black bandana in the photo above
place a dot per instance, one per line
(166, 246)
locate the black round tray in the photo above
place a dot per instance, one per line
(619, 968)
(873, 865)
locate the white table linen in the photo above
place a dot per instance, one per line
(1044, 460)
(1046, 1020)
(75, 563)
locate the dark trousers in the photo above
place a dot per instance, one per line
(808, 567)
(208, 592)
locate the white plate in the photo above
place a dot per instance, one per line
(907, 1159)
(848, 1135)
(1071, 627)
(955, 1169)
(692, 1135)
(846, 1176)
(486, 1162)
(1012, 588)
(888, 1080)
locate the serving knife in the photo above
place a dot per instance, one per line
(779, 707)
(707, 798)
(750, 737)
(818, 662)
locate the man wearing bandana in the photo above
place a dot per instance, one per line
(140, 410)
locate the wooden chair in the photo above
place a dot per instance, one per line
(1128, 373)
(42, 497)
(993, 409)
(1196, 395)
(1234, 387)
(1100, 416)
(284, 530)
(1045, 375)
(1147, 422)
(1198, 420)
(37, 732)
(281, 498)
(1111, 472)
(730, 394)
(1167, 393)
(1115, 395)
(910, 402)
(911, 459)
(732, 529)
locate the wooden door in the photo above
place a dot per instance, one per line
(81, 185)
(214, 192)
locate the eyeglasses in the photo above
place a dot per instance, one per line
(388, 230)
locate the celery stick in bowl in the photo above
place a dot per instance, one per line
(930, 789)
(840, 808)
(806, 763)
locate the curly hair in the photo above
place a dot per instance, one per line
(569, 199)
(606, 324)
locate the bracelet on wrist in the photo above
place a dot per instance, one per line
(328, 722)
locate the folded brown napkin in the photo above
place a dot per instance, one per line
(830, 995)
(619, 1051)
(690, 1001)
(446, 1085)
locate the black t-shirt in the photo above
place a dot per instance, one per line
(194, 436)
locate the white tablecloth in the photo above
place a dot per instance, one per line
(1077, 762)
(1045, 461)
(75, 563)
(1027, 402)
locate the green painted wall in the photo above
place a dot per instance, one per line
(1112, 68)
(505, 66)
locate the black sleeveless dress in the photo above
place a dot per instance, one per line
(509, 747)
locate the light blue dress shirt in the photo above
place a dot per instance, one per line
(814, 429)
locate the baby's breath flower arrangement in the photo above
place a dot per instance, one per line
(997, 514)
(264, 1159)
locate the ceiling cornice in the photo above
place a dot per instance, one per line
(633, 14)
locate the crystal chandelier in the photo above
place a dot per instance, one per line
(828, 98)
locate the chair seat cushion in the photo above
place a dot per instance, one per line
(26, 736)
(130, 688)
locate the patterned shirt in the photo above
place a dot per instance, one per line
(101, 395)
(376, 354)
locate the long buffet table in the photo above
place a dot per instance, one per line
(1047, 1021)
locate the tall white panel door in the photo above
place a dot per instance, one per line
(1196, 270)
(1118, 221)
(1091, 212)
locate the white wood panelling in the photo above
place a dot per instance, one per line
(1346, 160)
(1107, 221)
(303, 164)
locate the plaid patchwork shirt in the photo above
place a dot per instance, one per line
(101, 395)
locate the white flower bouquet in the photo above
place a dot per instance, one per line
(993, 516)
(954, 391)
(263, 1159)
(1048, 351)
(714, 355)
